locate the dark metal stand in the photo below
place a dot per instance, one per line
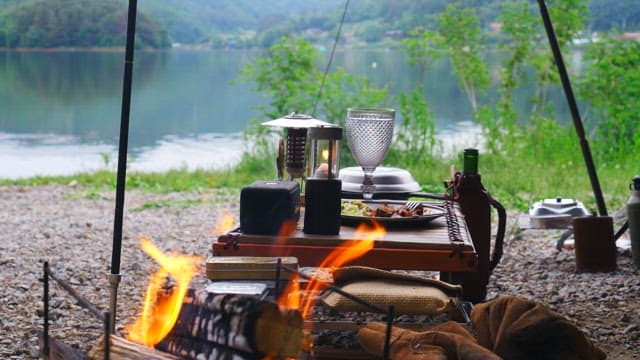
(115, 276)
(575, 114)
(45, 311)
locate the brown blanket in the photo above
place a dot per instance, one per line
(447, 341)
(516, 328)
(508, 327)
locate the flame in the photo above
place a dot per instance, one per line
(325, 154)
(162, 302)
(225, 224)
(291, 295)
(287, 228)
(346, 252)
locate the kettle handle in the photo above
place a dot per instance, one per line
(496, 254)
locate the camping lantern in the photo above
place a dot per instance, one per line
(296, 126)
(323, 190)
(325, 151)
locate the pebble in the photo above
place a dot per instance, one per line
(73, 231)
(603, 305)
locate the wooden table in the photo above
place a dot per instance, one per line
(442, 245)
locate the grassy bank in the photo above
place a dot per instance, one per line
(516, 180)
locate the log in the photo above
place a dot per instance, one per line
(122, 349)
(190, 348)
(244, 325)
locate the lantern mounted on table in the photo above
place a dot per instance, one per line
(323, 189)
(325, 151)
(296, 126)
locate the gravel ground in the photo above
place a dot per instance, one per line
(72, 230)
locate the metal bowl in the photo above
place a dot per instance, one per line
(390, 182)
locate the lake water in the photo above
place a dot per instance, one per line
(60, 110)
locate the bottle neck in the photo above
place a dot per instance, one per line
(470, 162)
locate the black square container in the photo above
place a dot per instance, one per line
(266, 204)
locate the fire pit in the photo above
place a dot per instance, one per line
(213, 325)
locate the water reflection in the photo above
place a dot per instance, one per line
(34, 154)
(207, 151)
(72, 77)
(60, 111)
(30, 155)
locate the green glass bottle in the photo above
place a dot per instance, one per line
(470, 161)
(633, 217)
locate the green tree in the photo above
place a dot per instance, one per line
(618, 15)
(458, 36)
(568, 18)
(420, 49)
(372, 32)
(34, 37)
(415, 141)
(289, 76)
(611, 87)
(342, 91)
(517, 45)
(77, 23)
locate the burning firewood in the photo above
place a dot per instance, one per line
(240, 325)
(190, 348)
(122, 349)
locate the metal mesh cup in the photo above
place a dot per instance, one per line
(369, 134)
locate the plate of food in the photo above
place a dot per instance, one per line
(389, 213)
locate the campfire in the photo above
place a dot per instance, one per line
(164, 297)
(178, 321)
(350, 250)
(189, 323)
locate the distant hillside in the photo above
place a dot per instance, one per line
(60, 23)
(261, 22)
(74, 23)
(195, 21)
(248, 23)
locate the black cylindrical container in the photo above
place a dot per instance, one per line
(595, 247)
(322, 206)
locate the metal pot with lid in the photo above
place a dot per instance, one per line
(390, 182)
(555, 212)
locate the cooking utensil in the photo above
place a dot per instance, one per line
(412, 205)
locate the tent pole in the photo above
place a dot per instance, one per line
(577, 122)
(114, 279)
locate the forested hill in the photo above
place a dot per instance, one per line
(74, 23)
(247, 23)
(88, 23)
(196, 21)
